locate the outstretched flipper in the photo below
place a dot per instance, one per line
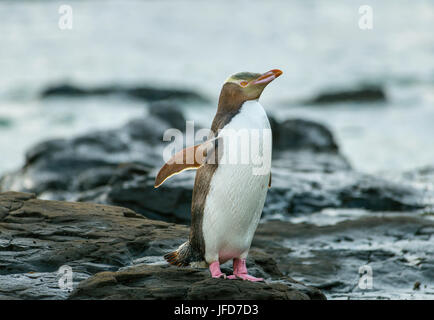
(187, 159)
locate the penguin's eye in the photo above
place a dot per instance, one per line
(244, 83)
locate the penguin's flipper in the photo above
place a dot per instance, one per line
(269, 181)
(187, 159)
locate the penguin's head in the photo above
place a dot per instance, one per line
(247, 85)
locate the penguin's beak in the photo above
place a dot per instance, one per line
(267, 77)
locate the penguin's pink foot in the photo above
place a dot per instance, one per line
(214, 268)
(240, 271)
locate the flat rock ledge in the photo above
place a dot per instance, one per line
(114, 253)
(168, 282)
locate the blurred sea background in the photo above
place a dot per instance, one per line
(352, 217)
(198, 44)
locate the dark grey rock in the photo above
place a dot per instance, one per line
(170, 112)
(169, 202)
(85, 162)
(168, 282)
(118, 251)
(146, 93)
(299, 134)
(313, 191)
(118, 167)
(389, 243)
(365, 94)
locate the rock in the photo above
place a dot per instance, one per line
(305, 161)
(154, 94)
(293, 192)
(329, 256)
(303, 145)
(365, 94)
(90, 167)
(307, 193)
(46, 227)
(62, 169)
(145, 93)
(118, 167)
(170, 202)
(299, 134)
(63, 165)
(147, 130)
(313, 191)
(114, 253)
(168, 282)
(169, 112)
(70, 90)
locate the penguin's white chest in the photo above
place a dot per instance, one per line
(239, 186)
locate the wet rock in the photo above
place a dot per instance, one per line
(299, 134)
(114, 248)
(365, 94)
(308, 161)
(295, 190)
(117, 254)
(304, 145)
(168, 282)
(145, 93)
(169, 202)
(148, 130)
(38, 237)
(292, 193)
(387, 243)
(98, 177)
(39, 240)
(91, 167)
(62, 169)
(118, 167)
(313, 191)
(85, 162)
(169, 112)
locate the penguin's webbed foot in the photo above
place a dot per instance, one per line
(245, 276)
(240, 271)
(214, 268)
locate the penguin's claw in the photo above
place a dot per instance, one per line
(218, 276)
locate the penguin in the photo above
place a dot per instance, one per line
(228, 197)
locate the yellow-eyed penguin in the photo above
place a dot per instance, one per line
(228, 196)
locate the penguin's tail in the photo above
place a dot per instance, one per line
(181, 257)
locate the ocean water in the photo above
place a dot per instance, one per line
(197, 44)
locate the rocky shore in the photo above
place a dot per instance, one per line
(114, 253)
(322, 220)
(118, 167)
